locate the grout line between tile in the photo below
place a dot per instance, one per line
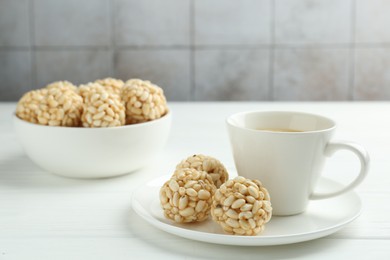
(15, 48)
(352, 52)
(33, 63)
(271, 91)
(312, 46)
(192, 52)
(204, 47)
(230, 46)
(111, 48)
(70, 48)
(371, 45)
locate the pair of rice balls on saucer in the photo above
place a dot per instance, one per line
(200, 186)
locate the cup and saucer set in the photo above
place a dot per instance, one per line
(286, 151)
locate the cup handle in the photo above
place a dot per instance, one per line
(364, 158)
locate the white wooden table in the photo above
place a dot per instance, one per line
(43, 216)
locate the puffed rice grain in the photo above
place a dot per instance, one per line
(187, 196)
(241, 206)
(212, 166)
(143, 100)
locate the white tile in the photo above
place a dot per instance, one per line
(14, 23)
(152, 22)
(232, 75)
(77, 66)
(372, 21)
(15, 74)
(72, 22)
(169, 69)
(372, 78)
(311, 74)
(232, 22)
(312, 21)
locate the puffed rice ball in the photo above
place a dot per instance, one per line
(208, 164)
(86, 90)
(62, 85)
(241, 206)
(187, 196)
(56, 105)
(101, 108)
(144, 101)
(111, 85)
(29, 104)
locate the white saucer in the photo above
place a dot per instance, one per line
(322, 218)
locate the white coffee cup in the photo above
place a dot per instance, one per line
(286, 152)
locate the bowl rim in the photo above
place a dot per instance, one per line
(70, 128)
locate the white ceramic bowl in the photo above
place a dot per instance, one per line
(93, 152)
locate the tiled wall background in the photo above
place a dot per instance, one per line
(202, 49)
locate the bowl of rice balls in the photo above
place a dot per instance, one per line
(96, 130)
